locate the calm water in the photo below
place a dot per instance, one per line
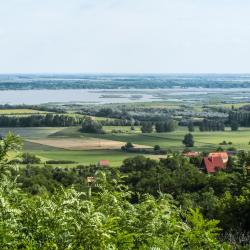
(119, 96)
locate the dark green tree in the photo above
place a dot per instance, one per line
(157, 148)
(91, 126)
(188, 140)
(147, 127)
(191, 126)
(234, 125)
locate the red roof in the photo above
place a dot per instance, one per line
(191, 154)
(104, 163)
(223, 155)
(213, 164)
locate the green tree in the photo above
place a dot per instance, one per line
(91, 126)
(157, 148)
(167, 126)
(191, 126)
(234, 125)
(28, 158)
(147, 127)
(188, 140)
(127, 146)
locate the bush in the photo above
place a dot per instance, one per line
(157, 147)
(127, 146)
(60, 162)
(28, 158)
(219, 149)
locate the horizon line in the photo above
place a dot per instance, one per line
(121, 73)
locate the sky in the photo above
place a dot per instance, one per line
(124, 36)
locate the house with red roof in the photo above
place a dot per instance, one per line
(222, 155)
(213, 164)
(103, 163)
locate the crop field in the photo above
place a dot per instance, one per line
(115, 157)
(52, 142)
(203, 140)
(240, 139)
(84, 157)
(70, 144)
(21, 112)
(86, 143)
(122, 129)
(39, 132)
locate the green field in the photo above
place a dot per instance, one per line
(50, 153)
(173, 140)
(31, 133)
(204, 141)
(84, 157)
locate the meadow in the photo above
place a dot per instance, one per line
(173, 140)
(70, 144)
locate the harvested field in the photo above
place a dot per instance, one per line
(83, 143)
(21, 111)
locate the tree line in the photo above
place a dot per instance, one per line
(242, 117)
(165, 126)
(50, 120)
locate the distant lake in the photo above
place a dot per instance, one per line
(91, 96)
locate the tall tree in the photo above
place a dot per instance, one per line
(191, 126)
(188, 140)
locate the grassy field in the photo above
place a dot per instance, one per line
(203, 140)
(63, 143)
(30, 133)
(84, 157)
(173, 140)
(47, 152)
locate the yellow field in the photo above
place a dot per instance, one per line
(20, 111)
(83, 143)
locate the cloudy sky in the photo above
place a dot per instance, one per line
(125, 36)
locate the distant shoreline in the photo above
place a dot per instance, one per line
(124, 82)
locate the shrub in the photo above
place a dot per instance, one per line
(60, 162)
(28, 158)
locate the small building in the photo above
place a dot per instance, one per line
(191, 154)
(103, 163)
(90, 179)
(213, 164)
(222, 155)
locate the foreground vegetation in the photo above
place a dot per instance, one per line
(103, 219)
